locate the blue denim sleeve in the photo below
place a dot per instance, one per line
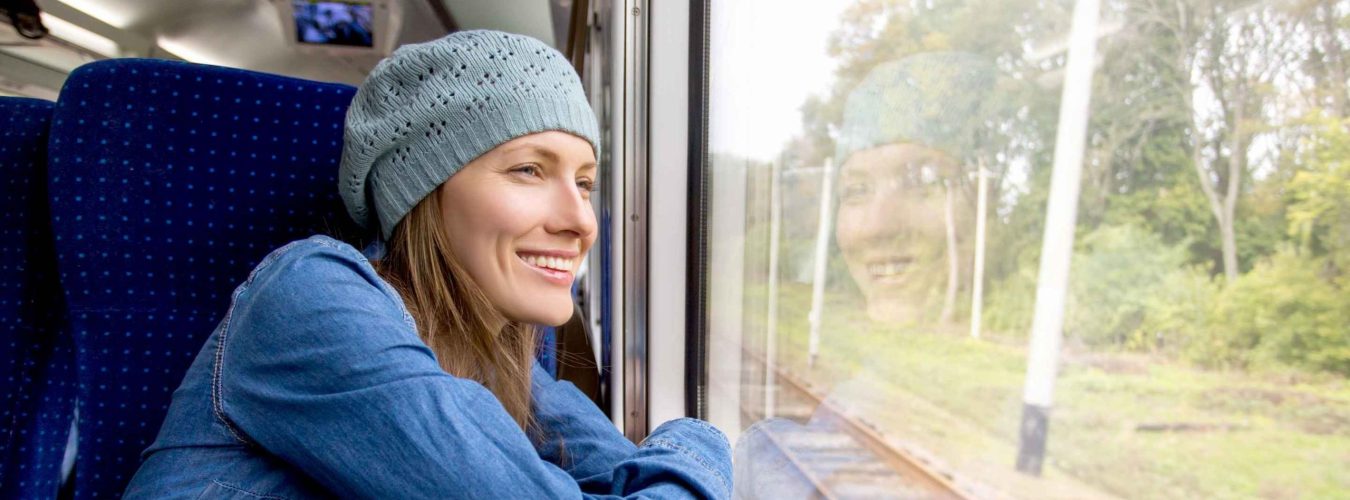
(578, 437)
(319, 365)
(574, 434)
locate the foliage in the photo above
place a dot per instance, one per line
(1283, 313)
(1319, 196)
(1122, 279)
(1116, 270)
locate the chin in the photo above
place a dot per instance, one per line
(552, 316)
(890, 311)
(558, 319)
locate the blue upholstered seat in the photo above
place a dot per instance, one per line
(169, 182)
(38, 376)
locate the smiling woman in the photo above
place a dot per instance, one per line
(411, 373)
(911, 133)
(522, 213)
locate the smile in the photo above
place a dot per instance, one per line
(554, 268)
(890, 268)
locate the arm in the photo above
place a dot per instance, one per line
(579, 438)
(573, 433)
(319, 367)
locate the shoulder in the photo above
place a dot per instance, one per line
(316, 272)
(310, 302)
(314, 251)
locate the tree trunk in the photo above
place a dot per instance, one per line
(1236, 158)
(1224, 205)
(953, 267)
(1230, 262)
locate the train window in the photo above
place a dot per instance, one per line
(881, 263)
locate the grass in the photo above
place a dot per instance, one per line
(1270, 436)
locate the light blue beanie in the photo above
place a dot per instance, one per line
(430, 108)
(938, 99)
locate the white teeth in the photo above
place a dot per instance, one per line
(556, 263)
(887, 268)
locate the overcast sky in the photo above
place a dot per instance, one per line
(767, 57)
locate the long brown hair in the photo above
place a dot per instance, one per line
(453, 314)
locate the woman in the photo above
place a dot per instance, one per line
(913, 132)
(412, 375)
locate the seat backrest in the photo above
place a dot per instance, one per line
(36, 396)
(169, 182)
(37, 390)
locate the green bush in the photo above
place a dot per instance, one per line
(1011, 301)
(1116, 271)
(1179, 323)
(1129, 290)
(1284, 312)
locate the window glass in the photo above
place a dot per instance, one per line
(871, 313)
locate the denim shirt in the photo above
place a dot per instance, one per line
(315, 384)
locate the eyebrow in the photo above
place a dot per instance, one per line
(545, 152)
(533, 148)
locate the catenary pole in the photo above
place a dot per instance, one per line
(1057, 245)
(771, 336)
(977, 287)
(821, 261)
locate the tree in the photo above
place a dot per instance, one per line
(1319, 197)
(1213, 77)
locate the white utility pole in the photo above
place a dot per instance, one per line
(1057, 245)
(822, 259)
(771, 337)
(977, 288)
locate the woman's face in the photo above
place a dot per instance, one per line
(891, 228)
(519, 218)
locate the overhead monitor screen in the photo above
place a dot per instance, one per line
(334, 23)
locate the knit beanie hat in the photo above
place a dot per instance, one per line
(937, 99)
(430, 108)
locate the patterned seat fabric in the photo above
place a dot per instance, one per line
(35, 356)
(169, 182)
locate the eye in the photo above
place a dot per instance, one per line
(587, 185)
(528, 169)
(855, 191)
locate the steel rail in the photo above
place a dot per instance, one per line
(909, 468)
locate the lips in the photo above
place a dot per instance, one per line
(548, 262)
(556, 267)
(889, 269)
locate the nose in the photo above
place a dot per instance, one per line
(883, 219)
(570, 212)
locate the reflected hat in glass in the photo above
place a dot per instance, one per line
(430, 108)
(937, 99)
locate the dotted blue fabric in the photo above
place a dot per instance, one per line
(169, 182)
(35, 353)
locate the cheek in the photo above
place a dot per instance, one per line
(850, 245)
(846, 227)
(931, 214)
(481, 226)
(508, 216)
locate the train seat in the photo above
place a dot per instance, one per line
(169, 182)
(35, 354)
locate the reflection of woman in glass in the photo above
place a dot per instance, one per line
(912, 131)
(911, 134)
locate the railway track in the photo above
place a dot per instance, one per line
(843, 457)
